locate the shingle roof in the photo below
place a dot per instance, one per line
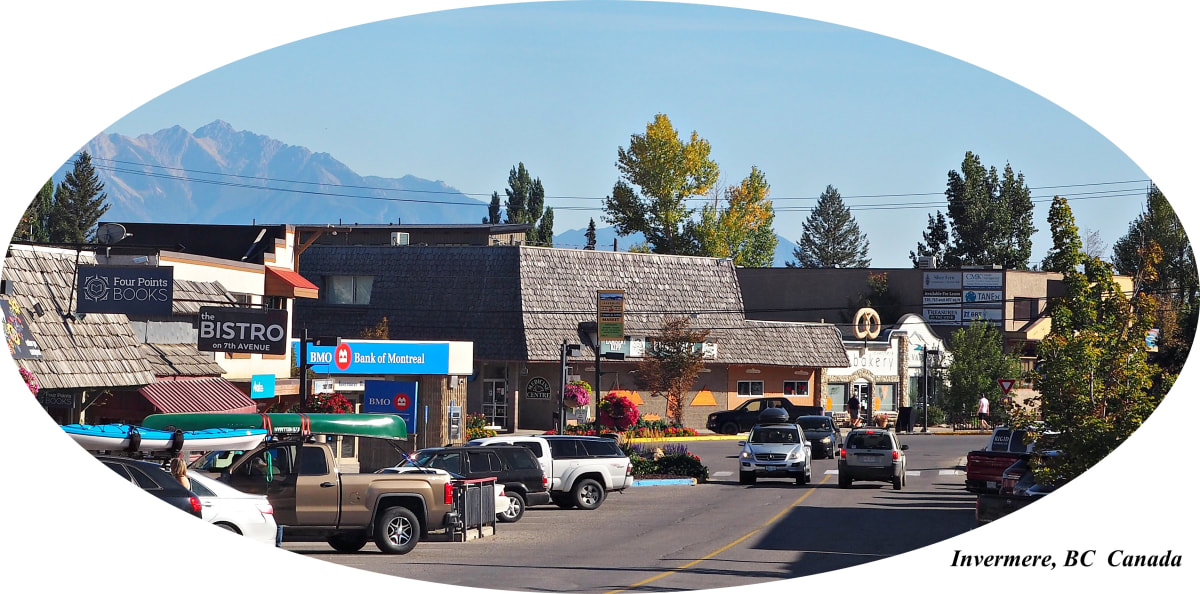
(189, 296)
(99, 350)
(521, 303)
(180, 360)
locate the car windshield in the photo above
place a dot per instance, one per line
(774, 435)
(818, 424)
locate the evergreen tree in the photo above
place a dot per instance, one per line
(991, 217)
(525, 204)
(937, 240)
(79, 202)
(35, 223)
(493, 217)
(590, 235)
(1067, 253)
(831, 237)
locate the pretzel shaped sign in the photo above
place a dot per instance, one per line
(866, 323)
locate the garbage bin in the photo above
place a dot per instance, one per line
(904, 420)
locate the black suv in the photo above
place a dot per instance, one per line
(155, 480)
(822, 434)
(515, 468)
(745, 416)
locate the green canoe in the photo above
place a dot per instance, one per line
(382, 426)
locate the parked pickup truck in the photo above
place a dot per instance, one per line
(314, 501)
(985, 467)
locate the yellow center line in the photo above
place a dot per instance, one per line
(722, 549)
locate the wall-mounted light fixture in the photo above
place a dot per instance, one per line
(37, 309)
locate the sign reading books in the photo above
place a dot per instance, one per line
(138, 290)
(243, 330)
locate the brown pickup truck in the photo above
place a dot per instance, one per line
(985, 467)
(314, 501)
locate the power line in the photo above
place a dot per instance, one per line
(1075, 196)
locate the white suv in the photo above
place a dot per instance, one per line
(582, 470)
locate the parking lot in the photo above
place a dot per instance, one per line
(712, 535)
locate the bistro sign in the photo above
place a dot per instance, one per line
(138, 290)
(243, 330)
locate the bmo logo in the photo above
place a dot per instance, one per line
(320, 358)
(401, 402)
(342, 356)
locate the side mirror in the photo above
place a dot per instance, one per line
(904, 447)
(741, 443)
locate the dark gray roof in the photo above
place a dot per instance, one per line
(100, 350)
(520, 302)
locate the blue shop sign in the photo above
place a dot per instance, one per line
(379, 358)
(396, 398)
(262, 386)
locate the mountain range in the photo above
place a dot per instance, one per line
(176, 176)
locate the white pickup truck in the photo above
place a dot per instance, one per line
(582, 470)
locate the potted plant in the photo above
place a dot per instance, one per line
(577, 393)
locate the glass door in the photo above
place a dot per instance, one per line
(495, 402)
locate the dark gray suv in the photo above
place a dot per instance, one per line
(871, 455)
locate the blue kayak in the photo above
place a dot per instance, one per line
(134, 438)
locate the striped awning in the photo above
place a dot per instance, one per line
(207, 394)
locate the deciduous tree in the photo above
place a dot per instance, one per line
(978, 360)
(991, 217)
(668, 172)
(672, 362)
(742, 230)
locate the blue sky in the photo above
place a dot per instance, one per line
(73, 68)
(462, 96)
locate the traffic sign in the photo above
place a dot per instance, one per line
(1006, 384)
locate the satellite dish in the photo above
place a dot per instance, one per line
(110, 233)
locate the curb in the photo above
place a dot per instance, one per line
(696, 438)
(663, 482)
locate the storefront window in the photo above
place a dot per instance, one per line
(748, 388)
(885, 396)
(795, 388)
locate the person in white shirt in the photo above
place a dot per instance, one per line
(983, 412)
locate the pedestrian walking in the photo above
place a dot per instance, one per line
(983, 412)
(852, 407)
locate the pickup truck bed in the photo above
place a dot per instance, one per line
(985, 467)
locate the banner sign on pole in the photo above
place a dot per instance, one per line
(610, 315)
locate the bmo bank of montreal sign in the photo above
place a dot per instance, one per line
(242, 330)
(138, 290)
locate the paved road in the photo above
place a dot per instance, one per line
(713, 535)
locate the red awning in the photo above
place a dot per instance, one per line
(208, 394)
(280, 282)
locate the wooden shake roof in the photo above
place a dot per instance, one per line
(99, 350)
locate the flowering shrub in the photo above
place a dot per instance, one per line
(672, 459)
(30, 380)
(477, 427)
(577, 393)
(328, 403)
(617, 412)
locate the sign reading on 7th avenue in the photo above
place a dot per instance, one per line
(610, 315)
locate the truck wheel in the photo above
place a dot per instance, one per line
(562, 500)
(516, 509)
(897, 482)
(397, 530)
(347, 543)
(729, 428)
(587, 494)
(747, 478)
(843, 481)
